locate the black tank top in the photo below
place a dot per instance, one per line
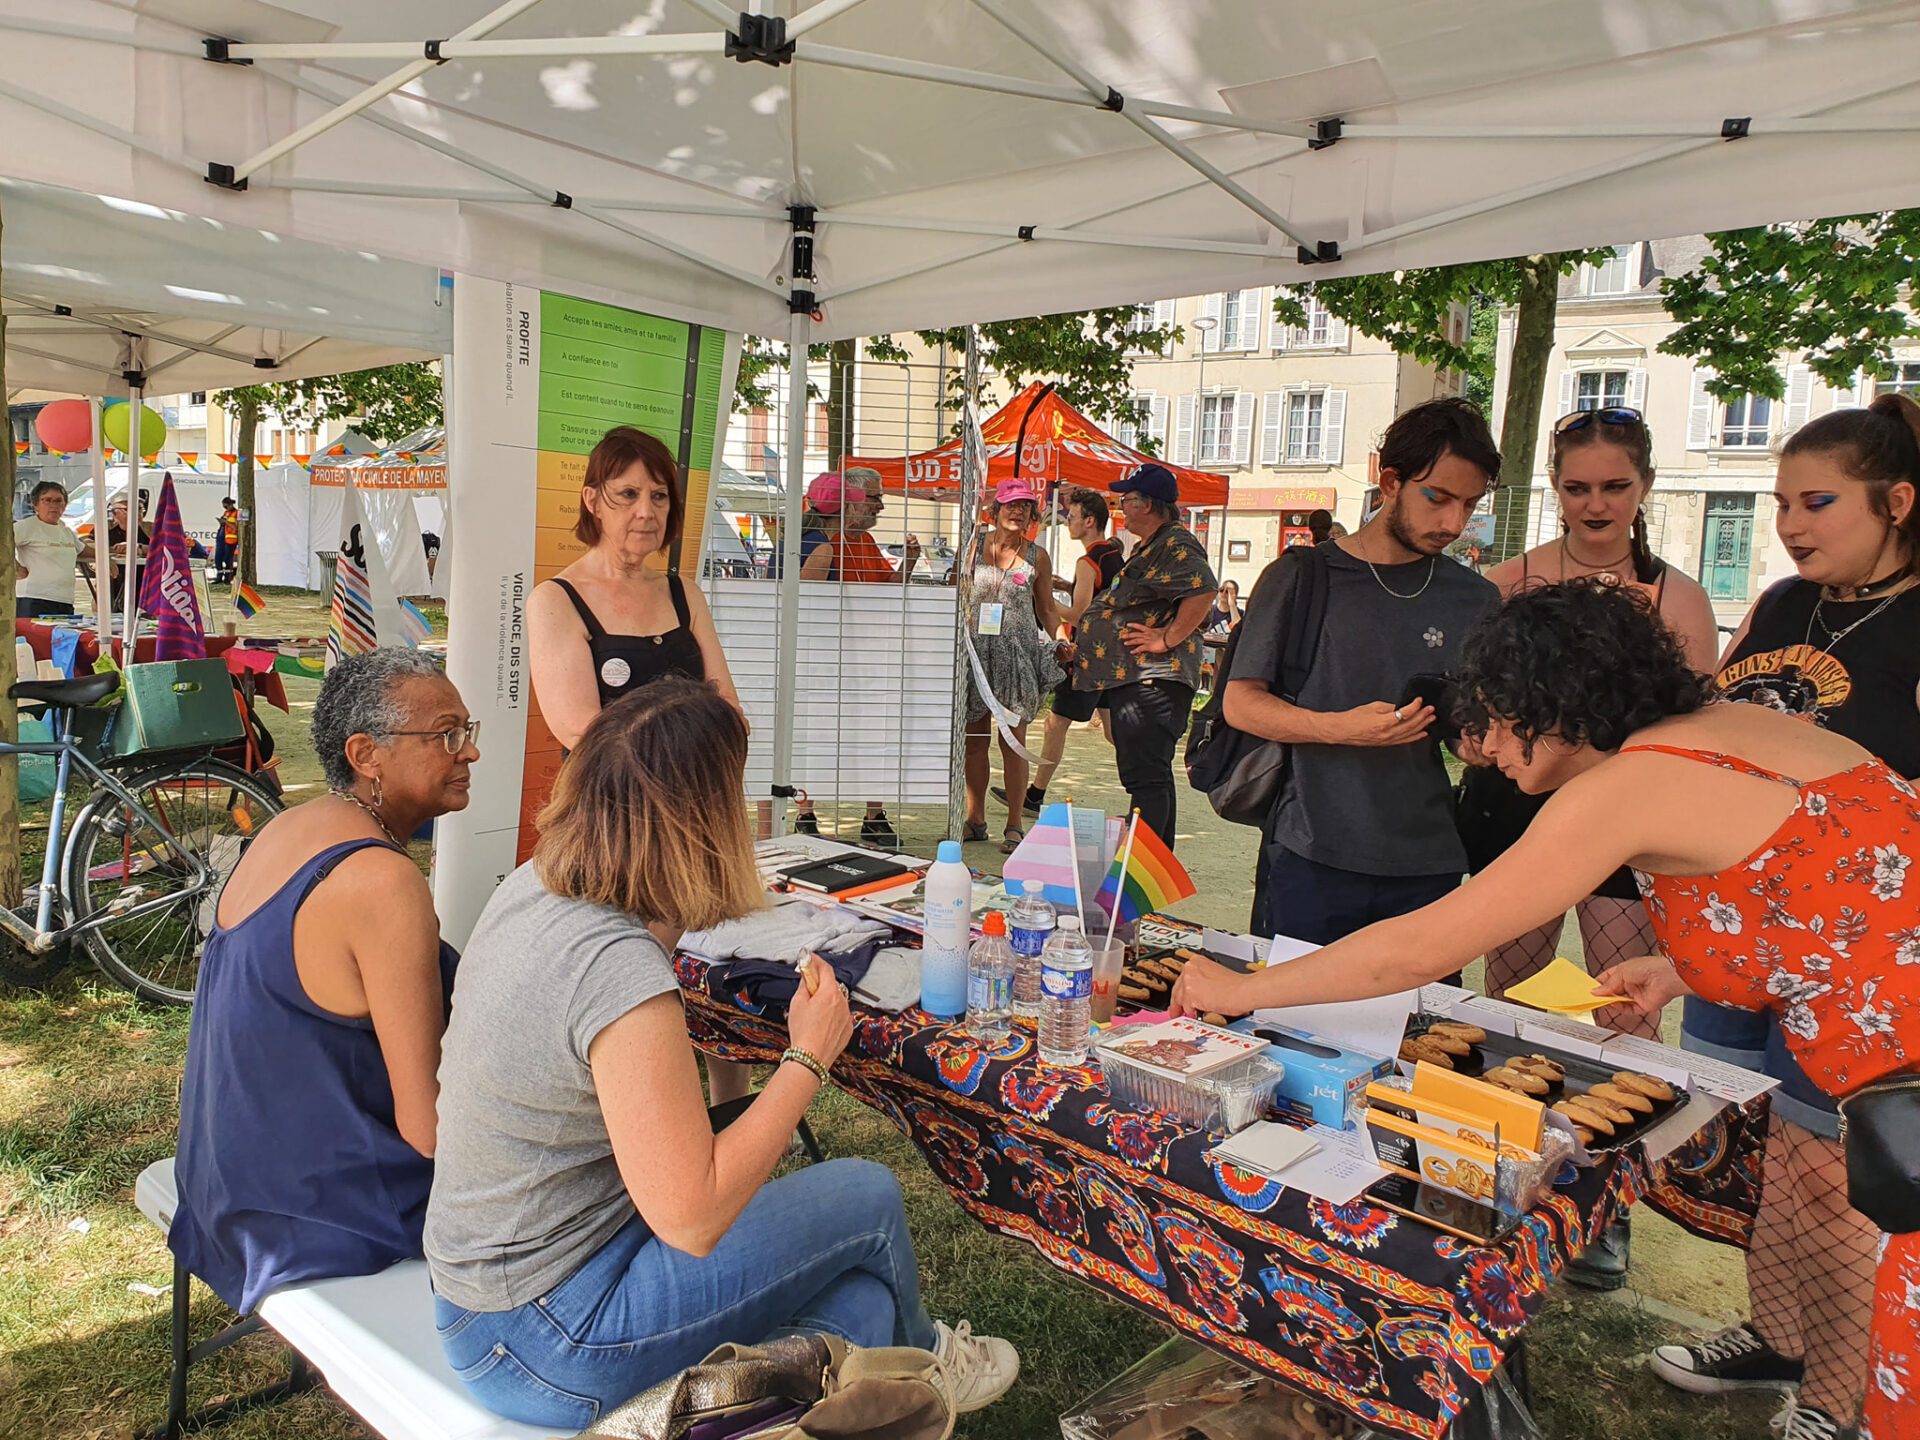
(1864, 685)
(623, 663)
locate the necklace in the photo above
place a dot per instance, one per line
(1872, 588)
(353, 799)
(1835, 637)
(1607, 574)
(1432, 560)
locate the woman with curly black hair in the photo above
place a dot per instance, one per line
(1753, 879)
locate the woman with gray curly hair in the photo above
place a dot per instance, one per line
(308, 1110)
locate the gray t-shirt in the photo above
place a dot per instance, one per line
(525, 1186)
(1367, 809)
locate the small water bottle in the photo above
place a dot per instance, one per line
(949, 919)
(1066, 995)
(990, 983)
(1029, 929)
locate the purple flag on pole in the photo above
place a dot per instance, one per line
(166, 585)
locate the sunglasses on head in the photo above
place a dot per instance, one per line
(1606, 415)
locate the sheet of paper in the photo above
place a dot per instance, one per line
(1710, 1076)
(1564, 1033)
(1496, 1017)
(1227, 945)
(1266, 1148)
(1440, 999)
(1338, 1170)
(1373, 1027)
(1561, 987)
(1681, 1126)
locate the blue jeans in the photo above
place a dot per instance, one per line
(1753, 1040)
(1321, 904)
(825, 1249)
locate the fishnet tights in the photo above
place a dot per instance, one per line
(1810, 1271)
(1610, 931)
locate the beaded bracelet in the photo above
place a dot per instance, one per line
(806, 1058)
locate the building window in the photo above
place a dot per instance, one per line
(1216, 429)
(759, 425)
(817, 433)
(1610, 277)
(1306, 426)
(1745, 422)
(1600, 389)
(1905, 380)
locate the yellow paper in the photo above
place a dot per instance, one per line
(1562, 988)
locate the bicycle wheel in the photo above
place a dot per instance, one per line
(118, 860)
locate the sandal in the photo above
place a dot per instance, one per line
(971, 832)
(1010, 839)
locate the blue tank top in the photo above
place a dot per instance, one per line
(290, 1165)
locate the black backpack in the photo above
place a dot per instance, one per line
(1241, 774)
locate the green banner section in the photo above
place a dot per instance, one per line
(565, 318)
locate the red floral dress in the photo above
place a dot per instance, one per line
(1821, 925)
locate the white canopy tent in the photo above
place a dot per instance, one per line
(847, 168)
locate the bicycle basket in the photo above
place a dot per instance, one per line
(176, 705)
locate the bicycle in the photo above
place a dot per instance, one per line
(137, 876)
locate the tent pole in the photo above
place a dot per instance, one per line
(135, 400)
(971, 479)
(798, 326)
(1149, 128)
(527, 48)
(102, 562)
(1022, 233)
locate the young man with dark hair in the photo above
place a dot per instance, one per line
(1363, 829)
(1086, 522)
(1138, 647)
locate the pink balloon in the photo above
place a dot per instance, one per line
(65, 425)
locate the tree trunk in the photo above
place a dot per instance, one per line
(840, 401)
(9, 712)
(247, 421)
(1539, 303)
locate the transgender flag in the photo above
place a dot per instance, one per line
(1047, 855)
(166, 585)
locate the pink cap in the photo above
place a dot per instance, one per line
(830, 491)
(1012, 489)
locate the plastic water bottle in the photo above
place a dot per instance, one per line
(949, 916)
(990, 982)
(1066, 995)
(1029, 930)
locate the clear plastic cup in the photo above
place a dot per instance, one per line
(1108, 958)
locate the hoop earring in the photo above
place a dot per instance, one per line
(379, 794)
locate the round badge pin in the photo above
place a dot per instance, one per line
(615, 672)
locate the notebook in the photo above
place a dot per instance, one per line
(842, 873)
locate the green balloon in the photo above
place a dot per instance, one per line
(114, 422)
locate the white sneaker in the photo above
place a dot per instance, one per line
(981, 1367)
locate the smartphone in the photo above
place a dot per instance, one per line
(1437, 691)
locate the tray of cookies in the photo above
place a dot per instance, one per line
(1608, 1107)
(1146, 982)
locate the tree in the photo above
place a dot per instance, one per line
(1414, 310)
(1827, 290)
(386, 404)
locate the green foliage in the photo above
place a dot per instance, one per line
(1826, 289)
(763, 363)
(387, 404)
(1483, 341)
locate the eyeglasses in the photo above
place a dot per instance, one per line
(1616, 415)
(456, 737)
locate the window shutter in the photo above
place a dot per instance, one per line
(1250, 318)
(1700, 409)
(1278, 332)
(1637, 390)
(1183, 432)
(1163, 313)
(1862, 389)
(1799, 397)
(1274, 411)
(1211, 306)
(1336, 332)
(1157, 420)
(1567, 382)
(1243, 427)
(1333, 428)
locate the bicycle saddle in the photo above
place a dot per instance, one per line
(84, 691)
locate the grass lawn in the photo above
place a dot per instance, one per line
(89, 1080)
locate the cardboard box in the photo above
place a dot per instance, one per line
(1323, 1083)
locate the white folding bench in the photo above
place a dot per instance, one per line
(370, 1337)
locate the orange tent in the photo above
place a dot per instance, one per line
(1062, 447)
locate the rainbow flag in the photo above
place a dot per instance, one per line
(350, 619)
(247, 600)
(1152, 879)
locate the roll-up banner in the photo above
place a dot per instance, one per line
(538, 378)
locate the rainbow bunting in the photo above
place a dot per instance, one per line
(303, 460)
(20, 447)
(263, 461)
(228, 456)
(1152, 880)
(192, 457)
(247, 600)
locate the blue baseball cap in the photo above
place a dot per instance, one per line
(1156, 482)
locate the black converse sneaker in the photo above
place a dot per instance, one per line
(1734, 1359)
(1809, 1422)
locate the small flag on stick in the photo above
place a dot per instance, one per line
(1145, 877)
(247, 600)
(414, 627)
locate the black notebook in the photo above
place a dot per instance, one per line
(843, 873)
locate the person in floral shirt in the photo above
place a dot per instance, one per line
(1139, 643)
(1776, 859)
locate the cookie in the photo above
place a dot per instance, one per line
(1585, 1117)
(1651, 1086)
(1472, 1034)
(1619, 1114)
(1146, 980)
(1626, 1099)
(1540, 1065)
(1524, 1082)
(1166, 972)
(1135, 993)
(1213, 1017)
(1452, 1044)
(1418, 1049)
(1583, 1135)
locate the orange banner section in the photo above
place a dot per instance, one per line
(382, 477)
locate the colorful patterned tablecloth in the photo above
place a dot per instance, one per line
(1393, 1321)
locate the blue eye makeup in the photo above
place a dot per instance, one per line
(1431, 496)
(1820, 502)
